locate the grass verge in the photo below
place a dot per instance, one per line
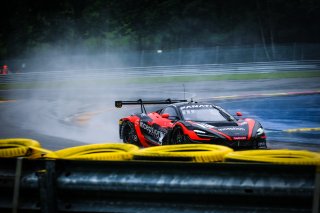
(164, 79)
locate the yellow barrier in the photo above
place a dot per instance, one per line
(303, 129)
(283, 156)
(21, 147)
(189, 152)
(96, 152)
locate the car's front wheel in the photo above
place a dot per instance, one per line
(129, 134)
(177, 136)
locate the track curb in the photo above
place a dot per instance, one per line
(263, 95)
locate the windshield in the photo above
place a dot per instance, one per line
(202, 114)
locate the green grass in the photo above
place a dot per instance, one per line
(146, 80)
(247, 76)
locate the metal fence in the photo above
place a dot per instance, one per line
(46, 61)
(158, 71)
(140, 186)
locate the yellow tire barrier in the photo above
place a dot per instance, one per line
(21, 147)
(283, 156)
(184, 152)
(95, 152)
(303, 129)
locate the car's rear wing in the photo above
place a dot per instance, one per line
(140, 102)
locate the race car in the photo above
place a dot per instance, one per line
(183, 122)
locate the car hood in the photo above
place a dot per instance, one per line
(231, 128)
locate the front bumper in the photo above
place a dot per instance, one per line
(235, 144)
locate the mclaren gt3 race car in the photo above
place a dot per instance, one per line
(181, 122)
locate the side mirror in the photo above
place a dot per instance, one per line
(238, 113)
(165, 115)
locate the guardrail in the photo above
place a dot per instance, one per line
(150, 186)
(157, 71)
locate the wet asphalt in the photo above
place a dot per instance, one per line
(60, 118)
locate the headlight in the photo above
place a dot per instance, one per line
(199, 131)
(260, 131)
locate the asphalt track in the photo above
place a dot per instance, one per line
(293, 119)
(60, 118)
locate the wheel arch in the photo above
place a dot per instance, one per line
(180, 126)
(122, 121)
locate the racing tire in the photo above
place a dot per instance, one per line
(129, 134)
(177, 136)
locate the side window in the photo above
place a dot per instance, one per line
(172, 113)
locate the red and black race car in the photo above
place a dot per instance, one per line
(181, 122)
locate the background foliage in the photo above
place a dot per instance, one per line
(93, 26)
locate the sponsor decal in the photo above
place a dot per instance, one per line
(159, 135)
(240, 138)
(196, 106)
(232, 129)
